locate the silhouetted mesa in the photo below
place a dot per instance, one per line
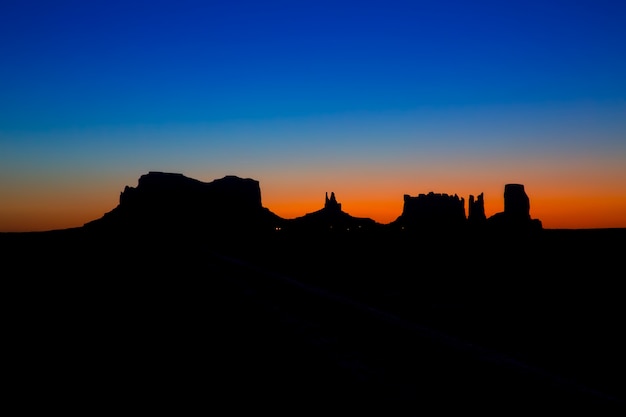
(171, 202)
(432, 211)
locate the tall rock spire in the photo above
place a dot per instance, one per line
(331, 204)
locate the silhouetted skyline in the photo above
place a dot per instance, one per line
(371, 100)
(175, 202)
(200, 279)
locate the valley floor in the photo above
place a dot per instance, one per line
(393, 324)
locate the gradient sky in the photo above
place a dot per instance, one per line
(369, 99)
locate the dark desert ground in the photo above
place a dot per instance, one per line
(202, 315)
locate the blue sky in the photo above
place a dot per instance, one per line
(112, 89)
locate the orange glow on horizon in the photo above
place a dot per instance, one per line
(552, 214)
(588, 206)
(567, 212)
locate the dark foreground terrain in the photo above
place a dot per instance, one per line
(387, 324)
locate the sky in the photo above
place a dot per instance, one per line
(370, 100)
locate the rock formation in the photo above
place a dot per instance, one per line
(330, 218)
(516, 214)
(169, 202)
(440, 211)
(516, 202)
(332, 204)
(432, 211)
(476, 210)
